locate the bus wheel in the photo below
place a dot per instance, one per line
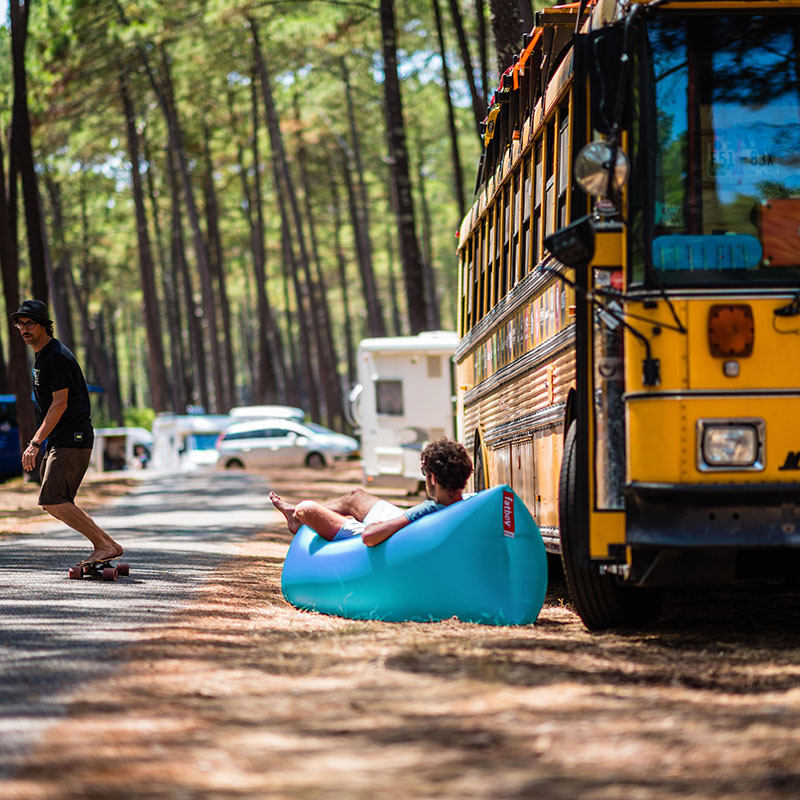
(600, 600)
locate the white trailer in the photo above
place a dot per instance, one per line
(120, 448)
(403, 400)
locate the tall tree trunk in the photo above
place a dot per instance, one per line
(112, 351)
(478, 98)
(410, 256)
(164, 94)
(60, 294)
(376, 326)
(18, 373)
(458, 175)
(483, 55)
(271, 375)
(197, 389)
(218, 270)
(152, 317)
(166, 98)
(5, 387)
(507, 32)
(98, 363)
(433, 321)
(341, 261)
(326, 344)
(284, 187)
(22, 151)
(99, 366)
(170, 294)
(394, 291)
(294, 385)
(359, 213)
(526, 15)
(306, 379)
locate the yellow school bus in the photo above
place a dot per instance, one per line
(629, 285)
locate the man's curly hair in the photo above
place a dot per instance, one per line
(448, 462)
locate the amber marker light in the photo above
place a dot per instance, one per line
(731, 331)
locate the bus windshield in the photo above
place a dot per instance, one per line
(725, 114)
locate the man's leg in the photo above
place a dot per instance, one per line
(104, 546)
(323, 520)
(355, 503)
(62, 472)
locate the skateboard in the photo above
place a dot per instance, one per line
(104, 570)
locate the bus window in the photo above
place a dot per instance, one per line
(505, 264)
(481, 297)
(466, 283)
(564, 166)
(538, 189)
(491, 266)
(515, 271)
(527, 260)
(726, 186)
(550, 190)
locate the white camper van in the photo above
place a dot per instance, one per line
(184, 442)
(403, 400)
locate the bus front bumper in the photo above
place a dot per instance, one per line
(713, 515)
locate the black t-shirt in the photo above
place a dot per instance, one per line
(56, 368)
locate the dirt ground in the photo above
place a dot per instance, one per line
(243, 696)
(19, 511)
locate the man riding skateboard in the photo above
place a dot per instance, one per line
(62, 405)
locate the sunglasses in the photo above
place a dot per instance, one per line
(25, 325)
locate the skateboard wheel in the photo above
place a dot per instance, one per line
(123, 569)
(109, 574)
(76, 572)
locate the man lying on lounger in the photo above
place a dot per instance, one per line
(446, 466)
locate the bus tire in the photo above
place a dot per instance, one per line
(600, 600)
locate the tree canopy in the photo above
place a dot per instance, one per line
(233, 193)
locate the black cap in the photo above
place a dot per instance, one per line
(33, 309)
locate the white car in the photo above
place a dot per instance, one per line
(281, 443)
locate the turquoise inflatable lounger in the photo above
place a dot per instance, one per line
(480, 560)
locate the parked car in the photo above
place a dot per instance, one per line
(245, 413)
(281, 443)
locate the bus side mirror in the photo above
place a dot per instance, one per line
(601, 169)
(573, 245)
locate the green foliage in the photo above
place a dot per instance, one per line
(139, 418)
(78, 49)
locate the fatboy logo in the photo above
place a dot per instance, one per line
(35, 377)
(508, 513)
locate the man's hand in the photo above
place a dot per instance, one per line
(29, 458)
(379, 532)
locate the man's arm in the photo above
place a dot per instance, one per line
(379, 532)
(51, 418)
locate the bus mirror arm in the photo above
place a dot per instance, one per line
(651, 367)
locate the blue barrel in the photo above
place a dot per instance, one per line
(480, 560)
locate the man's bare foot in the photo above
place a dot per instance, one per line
(287, 510)
(102, 554)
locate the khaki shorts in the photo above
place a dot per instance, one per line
(380, 512)
(62, 470)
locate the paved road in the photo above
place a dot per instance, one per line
(57, 633)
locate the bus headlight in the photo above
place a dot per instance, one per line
(735, 444)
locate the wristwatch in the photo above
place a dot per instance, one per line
(36, 444)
